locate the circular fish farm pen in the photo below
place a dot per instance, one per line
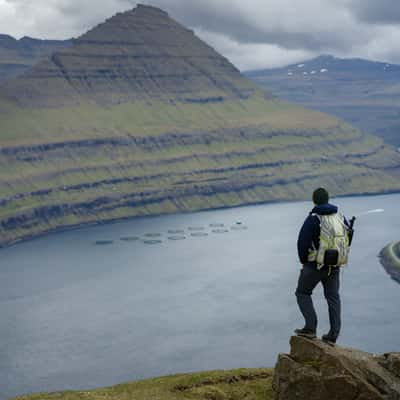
(176, 237)
(129, 238)
(103, 242)
(174, 231)
(152, 241)
(239, 227)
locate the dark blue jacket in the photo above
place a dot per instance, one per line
(310, 231)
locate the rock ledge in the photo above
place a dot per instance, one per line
(317, 371)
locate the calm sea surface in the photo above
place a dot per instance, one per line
(76, 315)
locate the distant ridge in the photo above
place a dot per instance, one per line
(18, 56)
(140, 117)
(333, 64)
(362, 92)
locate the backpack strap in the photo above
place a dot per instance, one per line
(314, 247)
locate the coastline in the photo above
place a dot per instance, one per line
(390, 261)
(72, 227)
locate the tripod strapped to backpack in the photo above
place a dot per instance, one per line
(351, 229)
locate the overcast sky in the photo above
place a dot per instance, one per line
(251, 33)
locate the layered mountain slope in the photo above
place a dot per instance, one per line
(141, 117)
(18, 56)
(134, 56)
(364, 93)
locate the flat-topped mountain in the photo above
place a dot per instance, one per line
(139, 116)
(362, 92)
(18, 56)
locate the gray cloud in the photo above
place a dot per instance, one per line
(311, 26)
(377, 12)
(252, 34)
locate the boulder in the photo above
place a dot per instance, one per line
(315, 370)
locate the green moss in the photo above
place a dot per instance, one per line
(313, 363)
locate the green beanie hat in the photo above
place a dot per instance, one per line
(320, 196)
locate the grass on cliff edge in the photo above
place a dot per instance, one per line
(249, 384)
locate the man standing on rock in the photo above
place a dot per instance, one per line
(315, 267)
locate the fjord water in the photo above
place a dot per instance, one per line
(76, 316)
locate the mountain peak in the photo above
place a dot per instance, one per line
(144, 8)
(140, 11)
(324, 57)
(142, 22)
(7, 41)
(134, 55)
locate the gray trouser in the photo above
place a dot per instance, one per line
(309, 278)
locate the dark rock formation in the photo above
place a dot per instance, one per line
(316, 371)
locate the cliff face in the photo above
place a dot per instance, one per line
(18, 56)
(315, 370)
(141, 117)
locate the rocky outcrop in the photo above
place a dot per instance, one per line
(316, 371)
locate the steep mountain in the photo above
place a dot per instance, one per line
(364, 93)
(17, 56)
(139, 116)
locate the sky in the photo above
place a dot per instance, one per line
(252, 34)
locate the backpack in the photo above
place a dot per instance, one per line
(334, 242)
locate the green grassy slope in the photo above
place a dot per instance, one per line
(193, 136)
(250, 384)
(215, 155)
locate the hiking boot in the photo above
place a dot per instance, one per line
(329, 339)
(307, 333)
